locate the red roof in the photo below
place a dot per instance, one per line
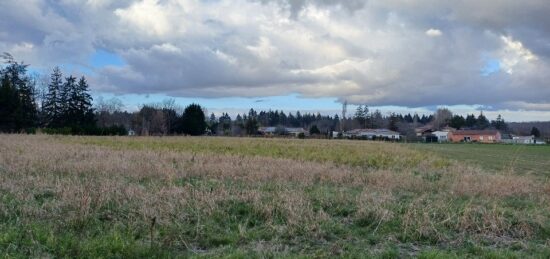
(475, 132)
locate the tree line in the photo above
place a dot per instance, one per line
(66, 107)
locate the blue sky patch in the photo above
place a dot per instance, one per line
(491, 66)
(103, 58)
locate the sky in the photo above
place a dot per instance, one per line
(308, 55)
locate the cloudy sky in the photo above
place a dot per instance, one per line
(230, 55)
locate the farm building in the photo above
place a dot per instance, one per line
(511, 139)
(424, 131)
(441, 135)
(373, 134)
(282, 131)
(483, 136)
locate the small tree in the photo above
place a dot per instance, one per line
(213, 124)
(360, 115)
(535, 132)
(442, 117)
(314, 130)
(393, 121)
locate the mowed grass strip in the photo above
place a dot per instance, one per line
(518, 159)
(65, 199)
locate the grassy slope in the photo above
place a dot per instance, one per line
(98, 197)
(520, 159)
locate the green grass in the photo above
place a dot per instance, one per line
(355, 153)
(520, 159)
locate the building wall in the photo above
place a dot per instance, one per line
(483, 138)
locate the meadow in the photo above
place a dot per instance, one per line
(519, 159)
(92, 197)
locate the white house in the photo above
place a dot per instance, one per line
(523, 139)
(442, 135)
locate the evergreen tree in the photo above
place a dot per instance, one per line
(470, 121)
(83, 107)
(482, 122)
(213, 124)
(193, 120)
(251, 126)
(393, 121)
(360, 115)
(52, 104)
(366, 116)
(27, 110)
(499, 123)
(314, 130)
(535, 132)
(9, 104)
(66, 104)
(225, 121)
(17, 98)
(457, 122)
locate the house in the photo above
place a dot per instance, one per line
(523, 139)
(511, 139)
(482, 136)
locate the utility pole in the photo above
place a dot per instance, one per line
(344, 110)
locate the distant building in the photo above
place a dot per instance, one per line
(424, 130)
(441, 135)
(540, 142)
(523, 139)
(511, 139)
(482, 136)
(269, 131)
(131, 132)
(372, 134)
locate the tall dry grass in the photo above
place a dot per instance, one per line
(61, 181)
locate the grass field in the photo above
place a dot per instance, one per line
(238, 197)
(519, 159)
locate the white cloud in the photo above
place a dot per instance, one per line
(513, 54)
(147, 16)
(434, 33)
(375, 52)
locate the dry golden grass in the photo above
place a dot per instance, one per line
(206, 201)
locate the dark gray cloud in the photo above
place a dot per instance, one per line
(409, 53)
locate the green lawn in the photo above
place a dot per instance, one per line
(520, 159)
